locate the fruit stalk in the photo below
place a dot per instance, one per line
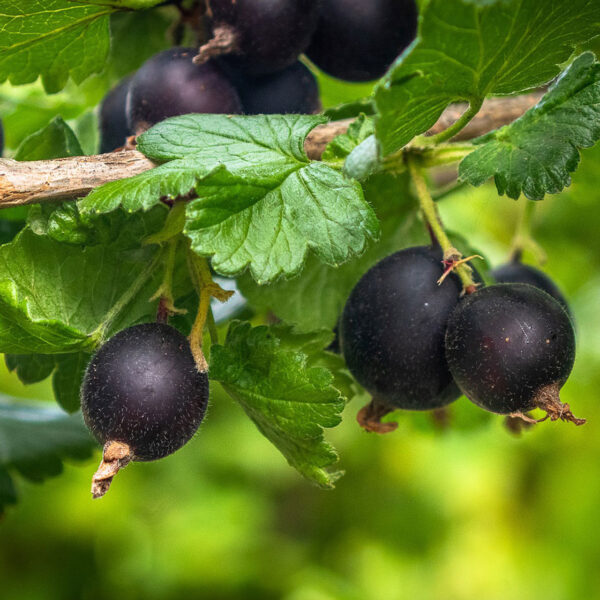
(207, 289)
(451, 254)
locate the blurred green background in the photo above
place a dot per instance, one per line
(466, 512)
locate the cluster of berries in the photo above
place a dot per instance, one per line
(250, 63)
(416, 344)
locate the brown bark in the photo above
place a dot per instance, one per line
(74, 177)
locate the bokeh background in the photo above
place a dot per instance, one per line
(466, 511)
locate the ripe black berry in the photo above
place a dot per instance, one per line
(357, 40)
(260, 36)
(516, 272)
(392, 332)
(510, 348)
(292, 91)
(143, 392)
(113, 119)
(170, 84)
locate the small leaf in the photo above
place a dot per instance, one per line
(56, 140)
(469, 49)
(54, 296)
(52, 39)
(535, 154)
(30, 368)
(289, 401)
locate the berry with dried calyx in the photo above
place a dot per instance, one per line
(392, 334)
(261, 37)
(510, 348)
(142, 397)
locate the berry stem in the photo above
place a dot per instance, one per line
(206, 289)
(474, 107)
(166, 305)
(523, 238)
(451, 254)
(99, 335)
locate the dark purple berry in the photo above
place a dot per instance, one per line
(516, 272)
(510, 348)
(170, 84)
(357, 40)
(262, 36)
(143, 389)
(292, 91)
(392, 331)
(113, 119)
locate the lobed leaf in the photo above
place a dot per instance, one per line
(289, 401)
(535, 154)
(53, 39)
(469, 49)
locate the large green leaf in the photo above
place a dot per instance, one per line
(52, 39)
(260, 202)
(289, 401)
(536, 154)
(34, 440)
(469, 49)
(54, 296)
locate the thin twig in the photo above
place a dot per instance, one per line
(74, 177)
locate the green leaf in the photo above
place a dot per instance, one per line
(56, 140)
(271, 229)
(341, 146)
(54, 296)
(260, 202)
(469, 49)
(67, 378)
(52, 39)
(289, 401)
(261, 149)
(536, 154)
(65, 223)
(34, 441)
(30, 368)
(315, 298)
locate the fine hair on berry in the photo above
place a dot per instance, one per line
(392, 330)
(510, 348)
(170, 84)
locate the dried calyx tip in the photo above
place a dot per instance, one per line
(548, 399)
(224, 41)
(369, 417)
(115, 456)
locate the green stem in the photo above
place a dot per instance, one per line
(431, 217)
(426, 156)
(459, 125)
(206, 289)
(523, 239)
(212, 327)
(99, 334)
